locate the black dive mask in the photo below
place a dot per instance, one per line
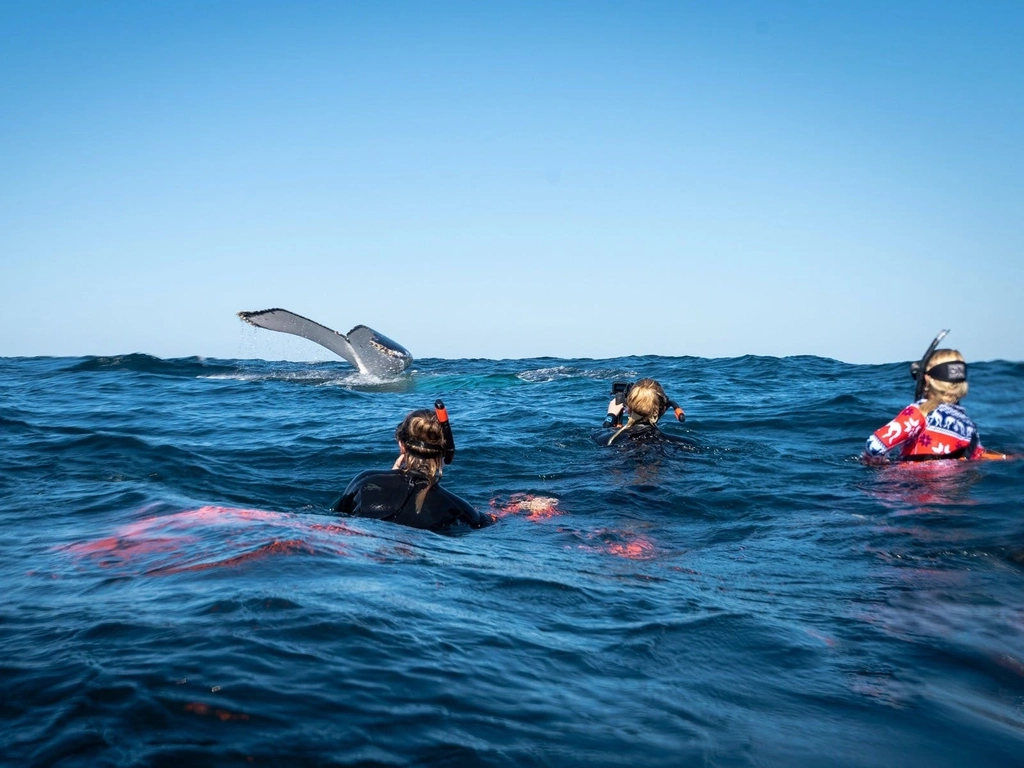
(916, 368)
(954, 372)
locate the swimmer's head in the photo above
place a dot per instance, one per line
(420, 434)
(945, 377)
(646, 401)
(421, 440)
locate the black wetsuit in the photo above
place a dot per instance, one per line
(391, 495)
(640, 434)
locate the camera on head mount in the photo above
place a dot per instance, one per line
(620, 389)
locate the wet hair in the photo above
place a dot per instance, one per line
(423, 444)
(647, 402)
(937, 392)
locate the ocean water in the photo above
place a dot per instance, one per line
(175, 593)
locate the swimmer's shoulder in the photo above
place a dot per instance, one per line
(460, 510)
(375, 487)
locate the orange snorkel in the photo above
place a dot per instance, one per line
(446, 430)
(680, 416)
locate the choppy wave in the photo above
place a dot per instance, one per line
(140, 363)
(176, 593)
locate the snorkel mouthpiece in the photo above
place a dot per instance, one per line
(446, 429)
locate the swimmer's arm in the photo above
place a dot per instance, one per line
(874, 451)
(462, 511)
(471, 517)
(905, 427)
(346, 502)
(986, 455)
(615, 410)
(870, 455)
(343, 504)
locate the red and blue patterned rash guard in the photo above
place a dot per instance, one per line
(946, 433)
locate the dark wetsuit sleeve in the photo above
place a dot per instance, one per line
(376, 494)
(616, 411)
(447, 509)
(345, 502)
(468, 515)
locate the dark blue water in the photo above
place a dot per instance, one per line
(173, 592)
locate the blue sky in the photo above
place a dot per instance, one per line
(513, 179)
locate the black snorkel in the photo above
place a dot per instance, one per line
(446, 430)
(917, 370)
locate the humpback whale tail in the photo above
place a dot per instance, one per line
(369, 351)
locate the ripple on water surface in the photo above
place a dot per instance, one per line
(177, 594)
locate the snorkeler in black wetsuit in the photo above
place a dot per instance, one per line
(409, 493)
(645, 402)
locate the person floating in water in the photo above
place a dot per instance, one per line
(409, 494)
(934, 426)
(643, 403)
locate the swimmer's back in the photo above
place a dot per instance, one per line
(391, 496)
(639, 434)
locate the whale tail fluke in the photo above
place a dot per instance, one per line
(371, 352)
